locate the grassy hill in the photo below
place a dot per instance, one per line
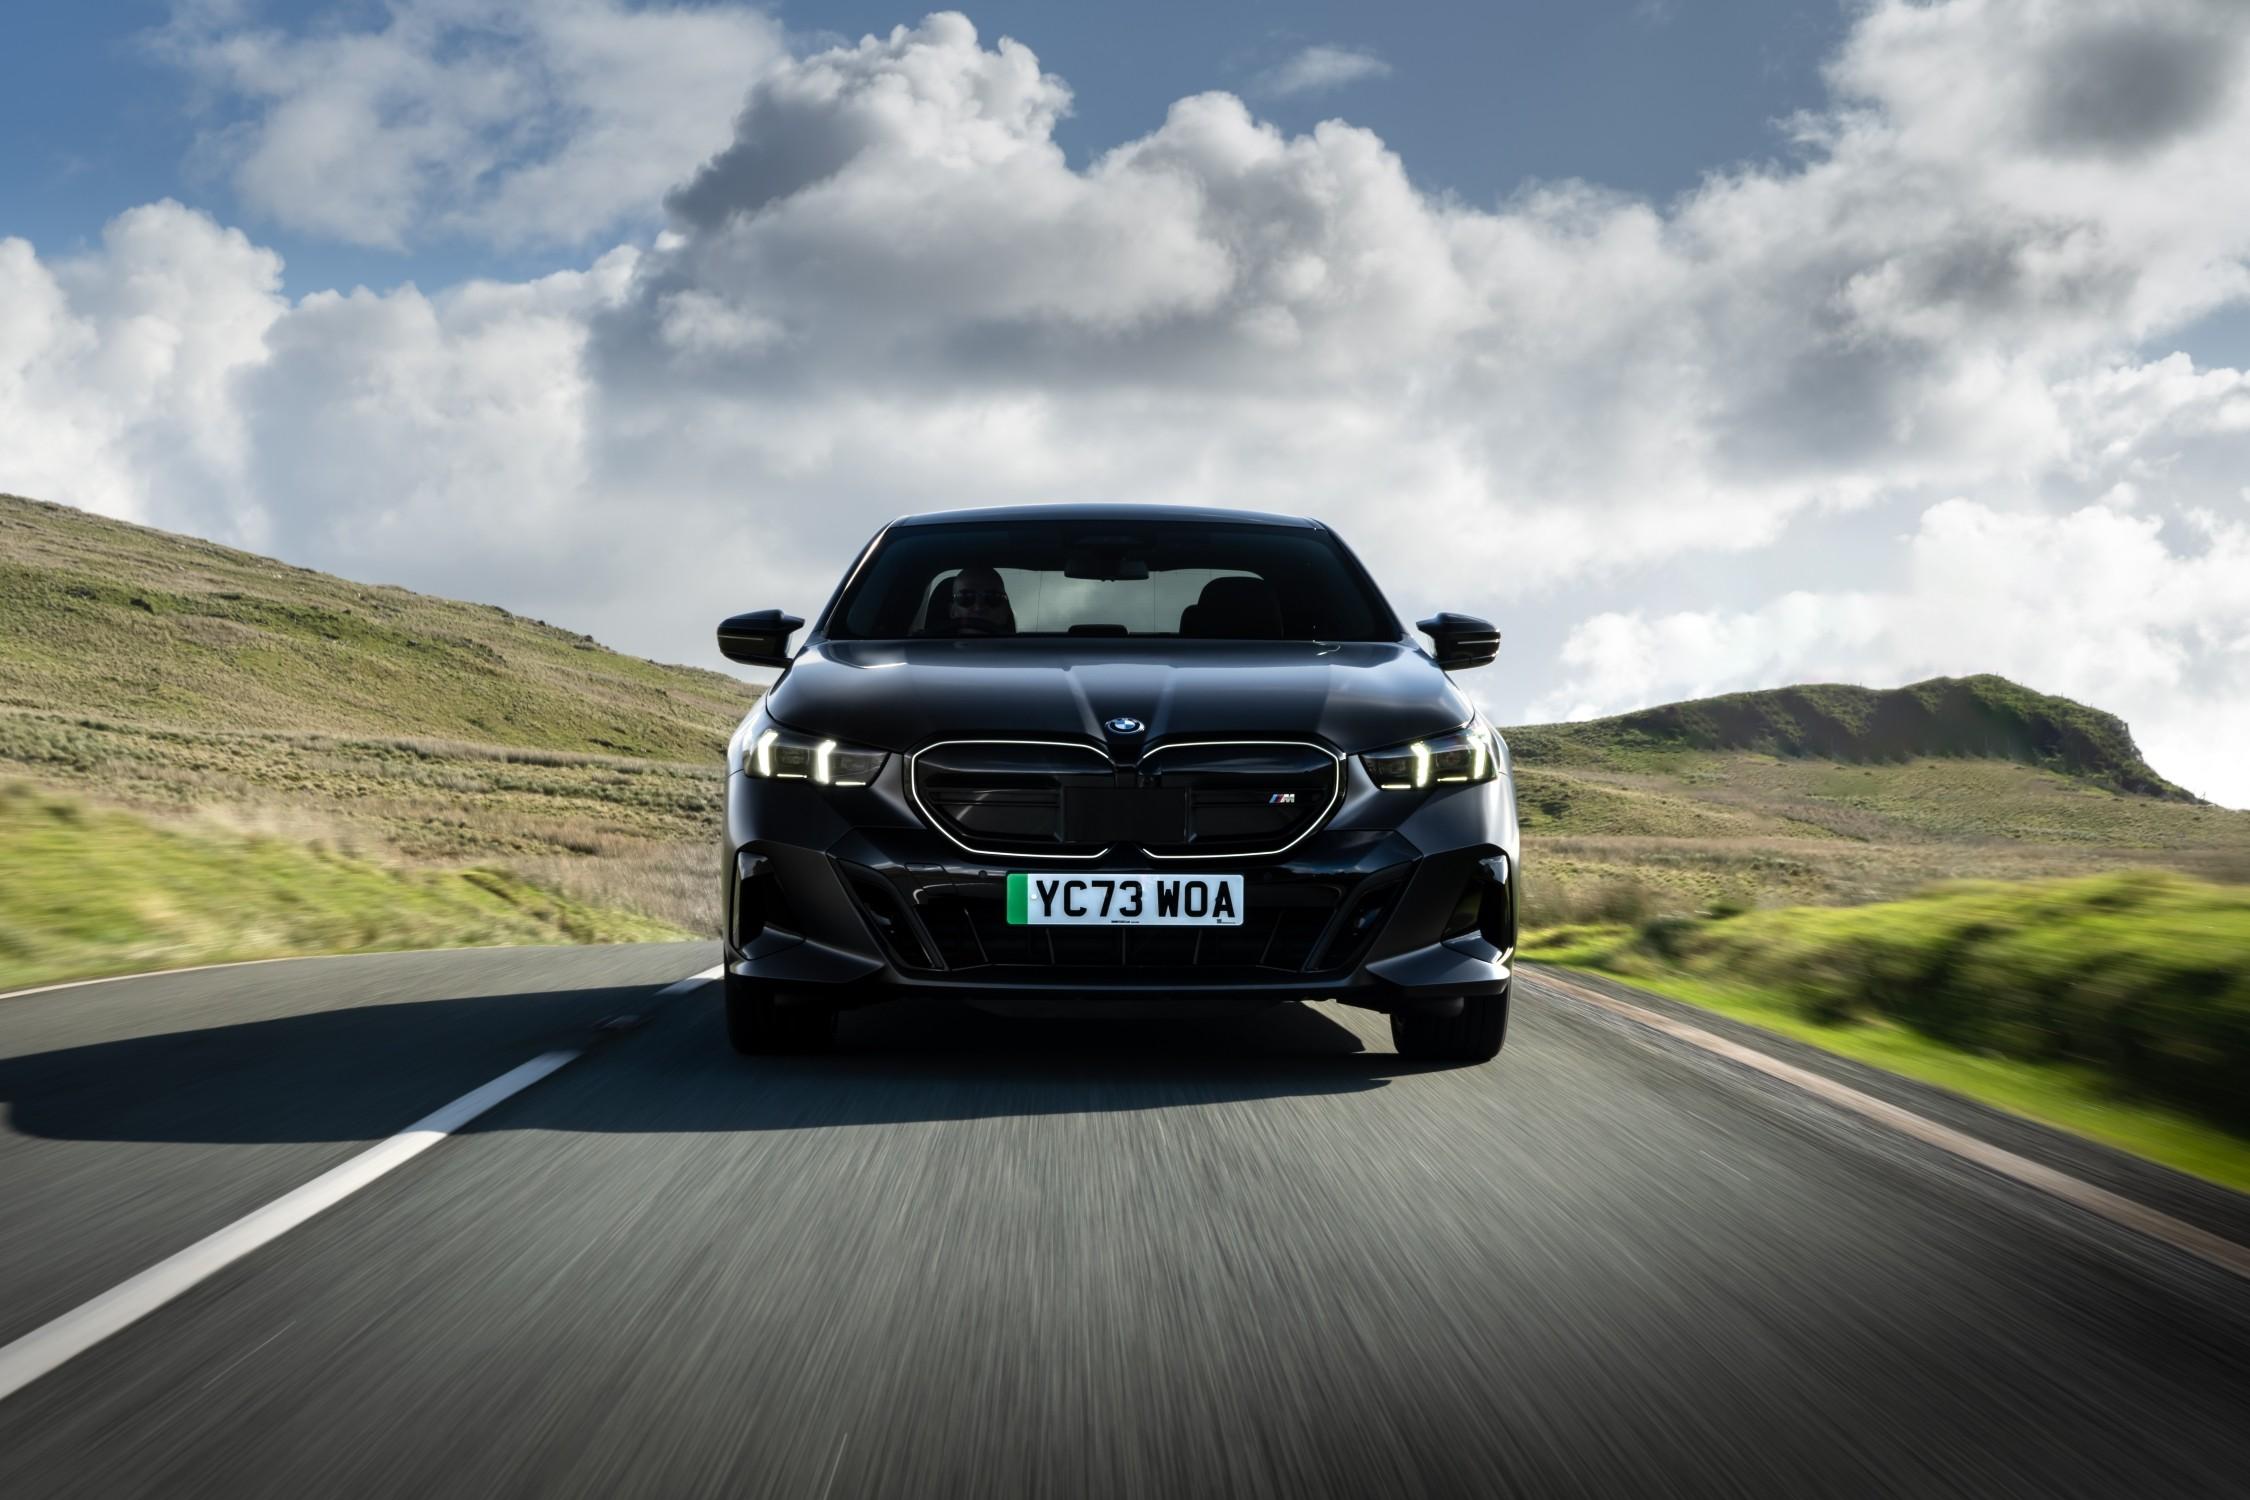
(1976, 718)
(1837, 795)
(221, 695)
(126, 624)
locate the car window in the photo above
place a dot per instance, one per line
(1061, 578)
(1051, 604)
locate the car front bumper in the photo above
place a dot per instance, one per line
(1402, 901)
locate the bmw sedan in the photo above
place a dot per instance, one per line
(1085, 758)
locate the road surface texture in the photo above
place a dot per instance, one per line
(975, 1256)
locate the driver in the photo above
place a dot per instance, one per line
(980, 604)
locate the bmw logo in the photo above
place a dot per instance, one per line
(1124, 725)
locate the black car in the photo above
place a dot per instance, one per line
(1082, 755)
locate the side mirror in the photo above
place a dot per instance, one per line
(760, 638)
(1461, 640)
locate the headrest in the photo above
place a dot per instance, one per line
(1240, 609)
(938, 618)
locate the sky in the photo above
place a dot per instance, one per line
(1703, 346)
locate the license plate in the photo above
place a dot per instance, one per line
(1125, 900)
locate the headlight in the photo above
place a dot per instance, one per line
(1468, 754)
(768, 752)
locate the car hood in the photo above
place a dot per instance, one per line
(902, 695)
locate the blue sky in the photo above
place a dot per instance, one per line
(1702, 345)
(1642, 97)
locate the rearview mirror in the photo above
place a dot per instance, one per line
(1107, 564)
(760, 638)
(1460, 640)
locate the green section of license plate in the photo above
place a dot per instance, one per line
(1121, 900)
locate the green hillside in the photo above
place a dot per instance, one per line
(1978, 718)
(210, 691)
(1838, 795)
(126, 624)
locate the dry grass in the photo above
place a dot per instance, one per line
(609, 831)
(87, 890)
(1639, 832)
(674, 881)
(1569, 880)
(220, 692)
(137, 626)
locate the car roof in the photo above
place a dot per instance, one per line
(1089, 511)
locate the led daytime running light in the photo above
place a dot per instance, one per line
(1464, 757)
(776, 754)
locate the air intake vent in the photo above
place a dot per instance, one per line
(1279, 927)
(758, 899)
(887, 915)
(1363, 921)
(1496, 914)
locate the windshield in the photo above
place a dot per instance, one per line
(1206, 579)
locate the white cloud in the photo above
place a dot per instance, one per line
(452, 438)
(117, 366)
(514, 121)
(1319, 68)
(889, 290)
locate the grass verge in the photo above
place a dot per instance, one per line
(2069, 1098)
(87, 892)
(2112, 1007)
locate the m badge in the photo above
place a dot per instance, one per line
(1281, 799)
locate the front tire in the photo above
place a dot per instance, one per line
(759, 1025)
(1475, 1034)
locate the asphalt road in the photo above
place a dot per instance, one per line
(975, 1256)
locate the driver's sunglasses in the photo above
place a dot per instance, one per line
(974, 597)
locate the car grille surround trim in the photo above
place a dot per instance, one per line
(1312, 825)
(1110, 761)
(914, 795)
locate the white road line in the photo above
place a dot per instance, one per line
(47, 1347)
(692, 982)
(240, 963)
(2178, 1233)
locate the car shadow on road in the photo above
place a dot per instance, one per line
(931, 1061)
(363, 1072)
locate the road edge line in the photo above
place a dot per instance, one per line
(232, 963)
(2118, 1209)
(288, 958)
(61, 1339)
